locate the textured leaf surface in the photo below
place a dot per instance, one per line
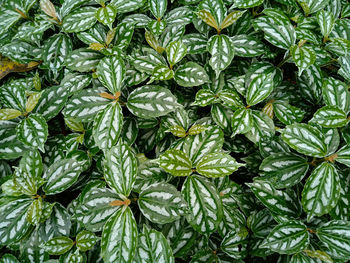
(321, 190)
(13, 220)
(33, 131)
(80, 19)
(119, 237)
(204, 204)
(335, 235)
(107, 126)
(151, 101)
(120, 168)
(111, 73)
(330, 117)
(284, 169)
(217, 164)
(288, 238)
(191, 74)
(153, 247)
(161, 203)
(221, 48)
(305, 139)
(61, 175)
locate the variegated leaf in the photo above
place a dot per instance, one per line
(120, 168)
(107, 127)
(33, 131)
(305, 139)
(119, 237)
(321, 191)
(204, 204)
(161, 203)
(61, 175)
(151, 101)
(221, 48)
(176, 163)
(79, 20)
(111, 73)
(217, 165)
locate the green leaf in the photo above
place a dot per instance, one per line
(191, 74)
(303, 57)
(262, 127)
(330, 117)
(10, 146)
(204, 98)
(259, 88)
(111, 73)
(305, 139)
(230, 98)
(9, 114)
(343, 155)
(34, 211)
(242, 121)
(96, 208)
(51, 101)
(79, 20)
(119, 237)
(125, 6)
(26, 183)
(335, 93)
(284, 169)
(31, 164)
(217, 165)
(204, 204)
(85, 105)
(175, 52)
(83, 59)
(287, 113)
(13, 220)
(56, 49)
(107, 127)
(287, 238)
(162, 72)
(13, 96)
(153, 247)
(176, 163)
(61, 175)
(335, 236)
(33, 131)
(32, 101)
(234, 243)
(221, 48)
(151, 101)
(8, 258)
(161, 203)
(18, 51)
(206, 142)
(208, 18)
(278, 202)
(279, 35)
(326, 21)
(58, 245)
(106, 15)
(321, 191)
(247, 46)
(216, 8)
(231, 18)
(247, 3)
(85, 240)
(158, 8)
(312, 6)
(120, 168)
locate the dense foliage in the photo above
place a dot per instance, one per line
(174, 131)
